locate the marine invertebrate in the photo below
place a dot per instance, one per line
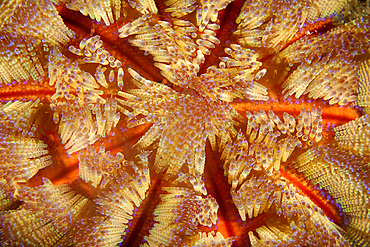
(152, 123)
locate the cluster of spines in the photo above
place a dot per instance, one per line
(194, 182)
(253, 204)
(22, 157)
(180, 8)
(344, 176)
(172, 46)
(235, 77)
(268, 141)
(273, 24)
(45, 218)
(347, 43)
(213, 239)
(325, 8)
(206, 11)
(292, 219)
(93, 52)
(36, 19)
(110, 11)
(209, 12)
(252, 166)
(190, 120)
(314, 72)
(93, 165)
(293, 235)
(363, 90)
(20, 58)
(261, 23)
(181, 211)
(91, 116)
(120, 186)
(84, 125)
(70, 81)
(38, 231)
(27, 31)
(340, 89)
(354, 135)
(20, 118)
(179, 48)
(98, 10)
(22, 152)
(144, 6)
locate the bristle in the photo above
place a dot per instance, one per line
(364, 86)
(93, 51)
(99, 10)
(344, 177)
(21, 59)
(173, 222)
(70, 82)
(324, 8)
(354, 135)
(183, 131)
(122, 189)
(38, 19)
(209, 12)
(21, 150)
(47, 214)
(261, 22)
(271, 142)
(313, 75)
(213, 239)
(180, 8)
(174, 45)
(84, 125)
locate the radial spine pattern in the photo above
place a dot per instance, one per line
(184, 123)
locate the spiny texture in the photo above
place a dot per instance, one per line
(181, 121)
(28, 28)
(179, 48)
(122, 186)
(213, 239)
(70, 81)
(260, 23)
(257, 188)
(20, 58)
(21, 150)
(110, 11)
(354, 135)
(49, 212)
(286, 180)
(92, 51)
(316, 65)
(252, 165)
(268, 141)
(181, 211)
(91, 116)
(84, 125)
(345, 177)
(364, 86)
(300, 225)
(39, 20)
